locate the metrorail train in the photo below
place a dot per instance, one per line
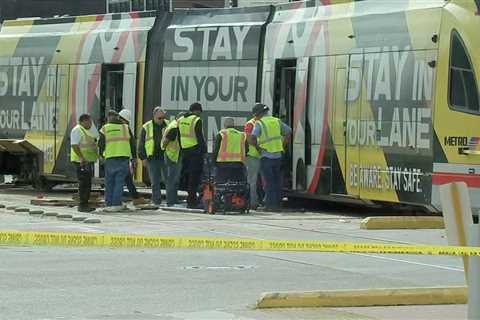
(382, 95)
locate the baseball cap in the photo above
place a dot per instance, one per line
(196, 107)
(259, 108)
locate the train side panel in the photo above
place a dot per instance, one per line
(457, 113)
(53, 70)
(212, 56)
(363, 125)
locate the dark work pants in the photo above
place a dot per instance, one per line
(132, 190)
(271, 170)
(193, 168)
(84, 176)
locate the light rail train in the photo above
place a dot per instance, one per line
(382, 95)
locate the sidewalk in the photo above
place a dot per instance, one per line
(430, 312)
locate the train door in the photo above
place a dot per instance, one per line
(119, 86)
(58, 88)
(129, 91)
(283, 106)
(353, 120)
(339, 117)
(48, 121)
(301, 128)
(111, 89)
(346, 117)
(111, 97)
(118, 91)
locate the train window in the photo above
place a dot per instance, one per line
(119, 6)
(158, 4)
(138, 5)
(463, 94)
(152, 5)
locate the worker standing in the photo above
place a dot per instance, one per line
(193, 148)
(173, 164)
(270, 135)
(83, 154)
(151, 153)
(117, 147)
(126, 117)
(252, 163)
(229, 153)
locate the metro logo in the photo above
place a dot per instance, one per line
(456, 141)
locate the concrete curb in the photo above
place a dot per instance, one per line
(364, 297)
(407, 222)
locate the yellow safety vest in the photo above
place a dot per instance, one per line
(232, 148)
(186, 128)
(117, 140)
(149, 142)
(271, 136)
(172, 150)
(252, 151)
(87, 146)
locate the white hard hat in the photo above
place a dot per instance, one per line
(125, 114)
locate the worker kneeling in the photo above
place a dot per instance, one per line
(230, 145)
(231, 190)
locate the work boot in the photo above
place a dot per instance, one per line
(113, 209)
(85, 209)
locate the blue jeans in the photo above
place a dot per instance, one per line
(116, 170)
(157, 173)
(172, 175)
(271, 170)
(253, 168)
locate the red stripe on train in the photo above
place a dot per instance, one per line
(472, 180)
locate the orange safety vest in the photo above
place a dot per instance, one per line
(232, 147)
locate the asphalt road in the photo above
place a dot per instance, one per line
(85, 283)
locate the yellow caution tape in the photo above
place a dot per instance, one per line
(29, 238)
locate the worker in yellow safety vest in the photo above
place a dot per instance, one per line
(83, 154)
(126, 118)
(193, 147)
(151, 153)
(173, 163)
(269, 136)
(252, 163)
(117, 146)
(230, 149)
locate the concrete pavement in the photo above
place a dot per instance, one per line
(76, 283)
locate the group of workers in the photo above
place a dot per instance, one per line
(171, 148)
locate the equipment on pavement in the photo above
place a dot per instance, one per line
(230, 196)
